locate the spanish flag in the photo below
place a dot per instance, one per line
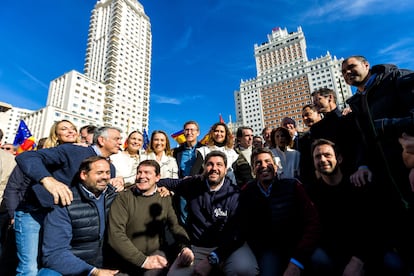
(179, 136)
(24, 140)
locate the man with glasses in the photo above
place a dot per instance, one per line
(185, 155)
(9, 148)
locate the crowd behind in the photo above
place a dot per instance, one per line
(335, 199)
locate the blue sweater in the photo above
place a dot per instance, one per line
(61, 162)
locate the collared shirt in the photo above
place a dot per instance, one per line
(264, 192)
(139, 192)
(97, 150)
(188, 158)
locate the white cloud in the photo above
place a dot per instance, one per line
(33, 78)
(344, 9)
(165, 100)
(183, 41)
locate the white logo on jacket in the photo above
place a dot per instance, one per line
(220, 213)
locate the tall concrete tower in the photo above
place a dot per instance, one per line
(118, 55)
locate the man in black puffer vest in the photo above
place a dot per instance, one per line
(74, 235)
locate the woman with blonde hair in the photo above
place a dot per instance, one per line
(23, 207)
(160, 150)
(63, 131)
(127, 161)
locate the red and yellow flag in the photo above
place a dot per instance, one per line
(24, 139)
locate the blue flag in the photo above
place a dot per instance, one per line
(24, 138)
(146, 140)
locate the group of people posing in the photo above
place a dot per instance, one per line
(334, 200)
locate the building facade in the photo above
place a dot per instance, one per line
(285, 80)
(118, 54)
(115, 87)
(9, 120)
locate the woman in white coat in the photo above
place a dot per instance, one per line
(287, 159)
(160, 150)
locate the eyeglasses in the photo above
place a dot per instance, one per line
(190, 130)
(6, 148)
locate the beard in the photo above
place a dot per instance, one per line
(329, 173)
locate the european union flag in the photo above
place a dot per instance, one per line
(146, 140)
(24, 138)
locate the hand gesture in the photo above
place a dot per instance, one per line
(155, 262)
(186, 257)
(60, 191)
(118, 183)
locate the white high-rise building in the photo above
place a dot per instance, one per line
(285, 80)
(119, 55)
(10, 119)
(115, 88)
(73, 97)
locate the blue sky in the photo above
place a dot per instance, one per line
(201, 48)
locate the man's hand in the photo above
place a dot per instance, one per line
(361, 177)
(60, 191)
(155, 262)
(355, 267)
(164, 192)
(203, 268)
(186, 257)
(103, 272)
(292, 270)
(118, 183)
(346, 111)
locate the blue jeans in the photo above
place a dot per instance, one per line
(272, 263)
(27, 228)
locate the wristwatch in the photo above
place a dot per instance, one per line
(213, 259)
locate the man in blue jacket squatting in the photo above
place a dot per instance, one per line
(74, 234)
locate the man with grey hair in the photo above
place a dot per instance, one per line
(55, 168)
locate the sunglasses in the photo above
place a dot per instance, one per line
(6, 148)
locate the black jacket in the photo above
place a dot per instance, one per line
(388, 95)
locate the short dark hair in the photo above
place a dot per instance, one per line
(258, 151)
(240, 131)
(311, 106)
(216, 153)
(191, 123)
(285, 131)
(358, 57)
(86, 163)
(324, 91)
(319, 142)
(89, 128)
(288, 120)
(151, 163)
